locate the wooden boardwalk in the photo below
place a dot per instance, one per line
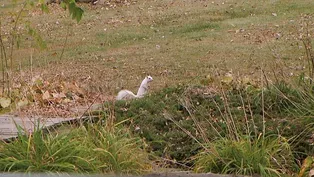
(8, 124)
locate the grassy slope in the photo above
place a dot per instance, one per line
(163, 118)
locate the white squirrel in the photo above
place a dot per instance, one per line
(126, 94)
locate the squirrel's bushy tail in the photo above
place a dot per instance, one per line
(125, 95)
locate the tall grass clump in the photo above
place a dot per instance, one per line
(284, 99)
(40, 152)
(85, 149)
(270, 156)
(255, 121)
(289, 111)
(116, 151)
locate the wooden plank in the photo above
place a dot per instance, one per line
(8, 124)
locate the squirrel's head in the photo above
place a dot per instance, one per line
(149, 78)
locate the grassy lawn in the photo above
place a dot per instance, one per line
(176, 42)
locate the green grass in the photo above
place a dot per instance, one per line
(184, 125)
(44, 153)
(117, 151)
(191, 37)
(270, 156)
(161, 134)
(184, 117)
(195, 28)
(121, 38)
(79, 150)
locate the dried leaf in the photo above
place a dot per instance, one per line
(227, 79)
(311, 173)
(46, 95)
(37, 80)
(246, 81)
(207, 80)
(22, 103)
(5, 102)
(73, 88)
(66, 101)
(62, 95)
(55, 95)
(306, 165)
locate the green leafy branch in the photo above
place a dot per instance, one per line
(75, 11)
(39, 41)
